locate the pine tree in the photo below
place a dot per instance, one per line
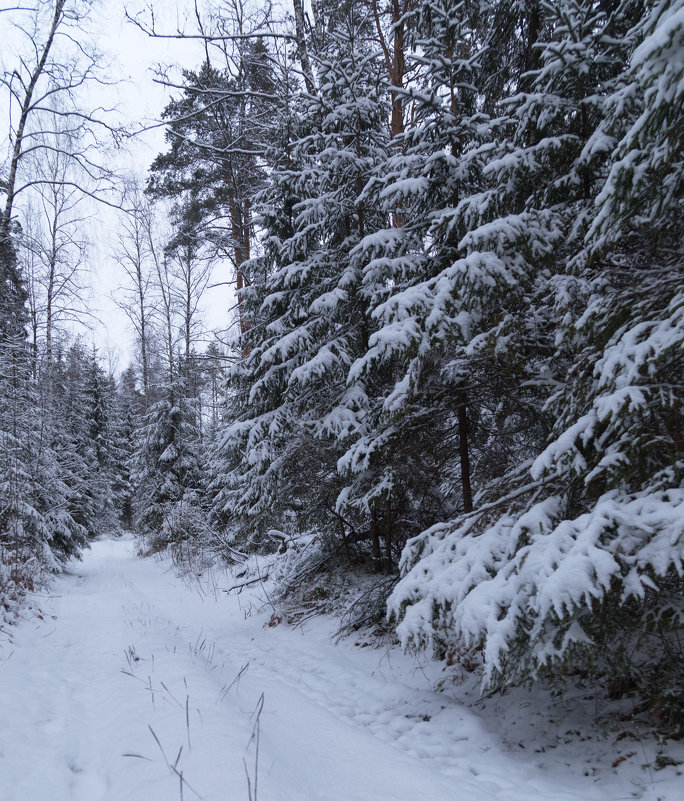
(212, 170)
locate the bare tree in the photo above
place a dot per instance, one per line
(43, 91)
(55, 243)
(52, 70)
(135, 253)
(191, 273)
(163, 287)
(22, 84)
(165, 290)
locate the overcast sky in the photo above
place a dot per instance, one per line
(132, 57)
(135, 57)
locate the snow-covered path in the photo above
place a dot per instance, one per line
(133, 680)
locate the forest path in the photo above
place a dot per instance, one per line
(134, 679)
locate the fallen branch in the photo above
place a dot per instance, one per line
(247, 583)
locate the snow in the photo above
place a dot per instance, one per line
(129, 671)
(483, 586)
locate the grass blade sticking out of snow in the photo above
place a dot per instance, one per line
(172, 696)
(187, 719)
(236, 681)
(254, 738)
(174, 768)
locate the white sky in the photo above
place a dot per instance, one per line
(133, 57)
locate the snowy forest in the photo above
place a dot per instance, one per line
(447, 403)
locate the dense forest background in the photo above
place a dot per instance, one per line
(456, 359)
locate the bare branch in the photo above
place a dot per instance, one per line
(151, 31)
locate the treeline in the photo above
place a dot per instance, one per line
(456, 230)
(461, 321)
(61, 477)
(78, 444)
(85, 454)
(65, 438)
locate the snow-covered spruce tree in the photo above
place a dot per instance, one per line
(274, 207)
(80, 400)
(308, 317)
(38, 531)
(408, 462)
(122, 429)
(167, 474)
(129, 408)
(100, 403)
(71, 431)
(579, 567)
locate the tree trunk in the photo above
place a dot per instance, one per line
(241, 245)
(398, 69)
(143, 335)
(345, 540)
(463, 452)
(395, 62)
(302, 50)
(375, 541)
(49, 322)
(188, 309)
(388, 536)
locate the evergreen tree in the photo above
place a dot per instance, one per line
(72, 433)
(308, 315)
(100, 400)
(414, 446)
(127, 413)
(167, 472)
(217, 132)
(575, 560)
(38, 530)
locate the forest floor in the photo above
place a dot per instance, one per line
(133, 685)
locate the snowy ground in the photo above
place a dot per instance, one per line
(135, 687)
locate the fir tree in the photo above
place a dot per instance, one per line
(167, 473)
(310, 316)
(577, 556)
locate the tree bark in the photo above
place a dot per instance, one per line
(463, 451)
(388, 536)
(241, 244)
(375, 541)
(302, 50)
(395, 61)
